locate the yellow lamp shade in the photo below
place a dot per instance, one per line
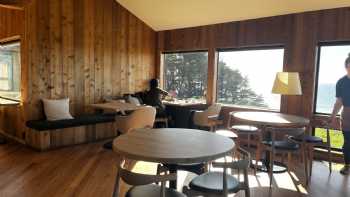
(287, 83)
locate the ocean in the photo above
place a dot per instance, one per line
(325, 98)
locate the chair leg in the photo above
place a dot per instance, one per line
(289, 162)
(282, 157)
(271, 166)
(257, 157)
(247, 192)
(330, 159)
(311, 158)
(305, 162)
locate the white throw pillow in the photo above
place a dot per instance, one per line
(57, 109)
(133, 100)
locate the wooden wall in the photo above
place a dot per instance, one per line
(298, 33)
(11, 22)
(83, 49)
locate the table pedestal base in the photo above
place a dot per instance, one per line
(278, 167)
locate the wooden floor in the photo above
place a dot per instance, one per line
(89, 170)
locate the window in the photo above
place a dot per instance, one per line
(246, 77)
(185, 74)
(10, 70)
(330, 69)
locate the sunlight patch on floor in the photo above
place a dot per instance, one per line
(145, 167)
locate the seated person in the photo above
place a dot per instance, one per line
(154, 96)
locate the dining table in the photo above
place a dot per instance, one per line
(172, 146)
(116, 106)
(264, 120)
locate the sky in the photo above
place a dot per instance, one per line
(261, 67)
(332, 63)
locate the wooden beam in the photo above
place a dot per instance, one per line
(212, 76)
(13, 4)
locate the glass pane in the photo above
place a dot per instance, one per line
(185, 74)
(4, 73)
(245, 78)
(336, 137)
(10, 70)
(331, 69)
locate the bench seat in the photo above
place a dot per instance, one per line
(42, 125)
(44, 135)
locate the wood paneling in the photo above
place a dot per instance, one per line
(298, 33)
(11, 22)
(12, 26)
(83, 49)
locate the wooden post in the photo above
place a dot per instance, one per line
(212, 76)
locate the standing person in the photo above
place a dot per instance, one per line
(343, 101)
(154, 97)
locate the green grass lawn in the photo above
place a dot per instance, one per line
(337, 139)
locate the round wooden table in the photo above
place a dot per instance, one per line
(172, 146)
(273, 119)
(270, 119)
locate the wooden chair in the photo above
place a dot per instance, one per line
(248, 131)
(208, 118)
(283, 146)
(310, 142)
(142, 184)
(140, 118)
(221, 183)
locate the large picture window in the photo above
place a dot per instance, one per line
(330, 70)
(185, 74)
(10, 70)
(245, 77)
(331, 58)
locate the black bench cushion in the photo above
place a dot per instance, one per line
(42, 125)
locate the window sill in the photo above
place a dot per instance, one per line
(8, 102)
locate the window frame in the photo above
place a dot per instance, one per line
(162, 56)
(248, 48)
(10, 40)
(317, 70)
(317, 77)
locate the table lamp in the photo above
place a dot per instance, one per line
(287, 83)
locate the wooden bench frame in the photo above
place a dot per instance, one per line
(50, 139)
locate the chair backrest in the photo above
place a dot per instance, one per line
(137, 179)
(240, 165)
(143, 117)
(201, 118)
(291, 131)
(213, 109)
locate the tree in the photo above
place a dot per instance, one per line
(233, 88)
(186, 74)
